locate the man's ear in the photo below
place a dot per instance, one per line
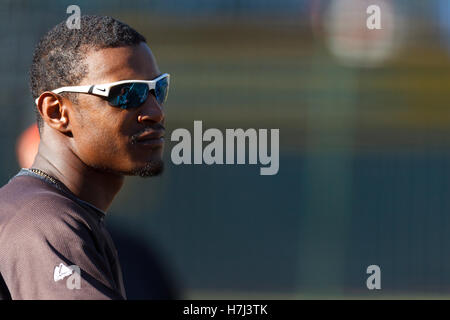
(54, 110)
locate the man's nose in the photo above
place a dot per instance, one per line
(151, 111)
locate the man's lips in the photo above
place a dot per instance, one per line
(150, 135)
(150, 138)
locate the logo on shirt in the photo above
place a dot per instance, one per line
(73, 273)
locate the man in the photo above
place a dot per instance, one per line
(99, 96)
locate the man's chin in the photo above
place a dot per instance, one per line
(150, 169)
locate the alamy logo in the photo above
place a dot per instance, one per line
(73, 22)
(374, 280)
(73, 273)
(373, 22)
(235, 139)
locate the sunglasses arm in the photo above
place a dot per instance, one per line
(83, 89)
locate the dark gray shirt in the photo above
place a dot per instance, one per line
(53, 245)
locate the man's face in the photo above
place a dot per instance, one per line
(104, 137)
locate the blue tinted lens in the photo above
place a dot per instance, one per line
(161, 90)
(128, 95)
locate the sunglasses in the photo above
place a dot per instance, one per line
(126, 94)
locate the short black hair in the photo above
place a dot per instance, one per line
(59, 55)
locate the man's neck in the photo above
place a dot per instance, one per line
(93, 186)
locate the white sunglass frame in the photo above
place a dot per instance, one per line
(103, 89)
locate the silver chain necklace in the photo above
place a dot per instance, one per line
(45, 175)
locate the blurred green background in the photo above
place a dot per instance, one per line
(364, 142)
